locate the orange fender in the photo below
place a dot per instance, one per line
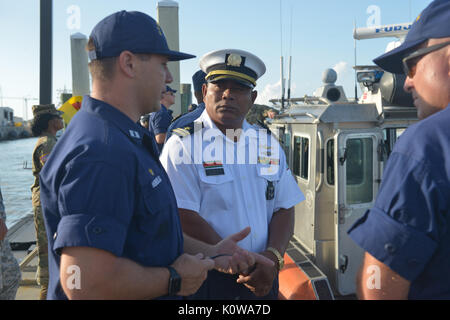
(294, 283)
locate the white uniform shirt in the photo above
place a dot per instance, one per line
(226, 182)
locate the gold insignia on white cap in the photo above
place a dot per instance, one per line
(234, 64)
(234, 60)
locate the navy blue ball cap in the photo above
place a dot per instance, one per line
(169, 89)
(198, 79)
(432, 23)
(134, 31)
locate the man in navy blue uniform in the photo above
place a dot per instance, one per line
(406, 235)
(110, 211)
(198, 79)
(159, 121)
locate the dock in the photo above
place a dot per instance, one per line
(12, 133)
(22, 237)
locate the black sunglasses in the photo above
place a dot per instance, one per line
(410, 62)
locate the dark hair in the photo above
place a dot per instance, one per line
(40, 123)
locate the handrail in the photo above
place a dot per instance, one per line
(28, 258)
(321, 171)
(307, 114)
(305, 99)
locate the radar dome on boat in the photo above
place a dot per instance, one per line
(329, 76)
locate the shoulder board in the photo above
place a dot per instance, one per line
(184, 131)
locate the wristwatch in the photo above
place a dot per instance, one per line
(174, 281)
(279, 257)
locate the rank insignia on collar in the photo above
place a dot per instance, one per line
(156, 182)
(134, 134)
(151, 172)
(213, 168)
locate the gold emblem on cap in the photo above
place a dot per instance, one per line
(234, 60)
(418, 18)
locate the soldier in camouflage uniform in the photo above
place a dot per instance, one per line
(259, 113)
(9, 268)
(47, 121)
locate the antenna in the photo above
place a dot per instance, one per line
(289, 79)
(356, 81)
(281, 31)
(281, 58)
(290, 62)
(282, 83)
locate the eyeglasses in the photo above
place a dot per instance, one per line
(410, 62)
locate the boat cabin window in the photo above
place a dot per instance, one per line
(287, 143)
(359, 169)
(330, 162)
(284, 138)
(391, 135)
(301, 157)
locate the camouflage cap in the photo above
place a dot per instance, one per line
(41, 109)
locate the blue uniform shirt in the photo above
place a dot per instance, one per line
(408, 229)
(159, 122)
(186, 119)
(104, 187)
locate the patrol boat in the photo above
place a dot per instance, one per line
(337, 148)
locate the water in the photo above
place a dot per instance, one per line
(15, 181)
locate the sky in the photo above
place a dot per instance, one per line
(316, 34)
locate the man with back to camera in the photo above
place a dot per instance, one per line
(109, 208)
(198, 79)
(406, 235)
(232, 174)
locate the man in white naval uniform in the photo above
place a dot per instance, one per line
(228, 175)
